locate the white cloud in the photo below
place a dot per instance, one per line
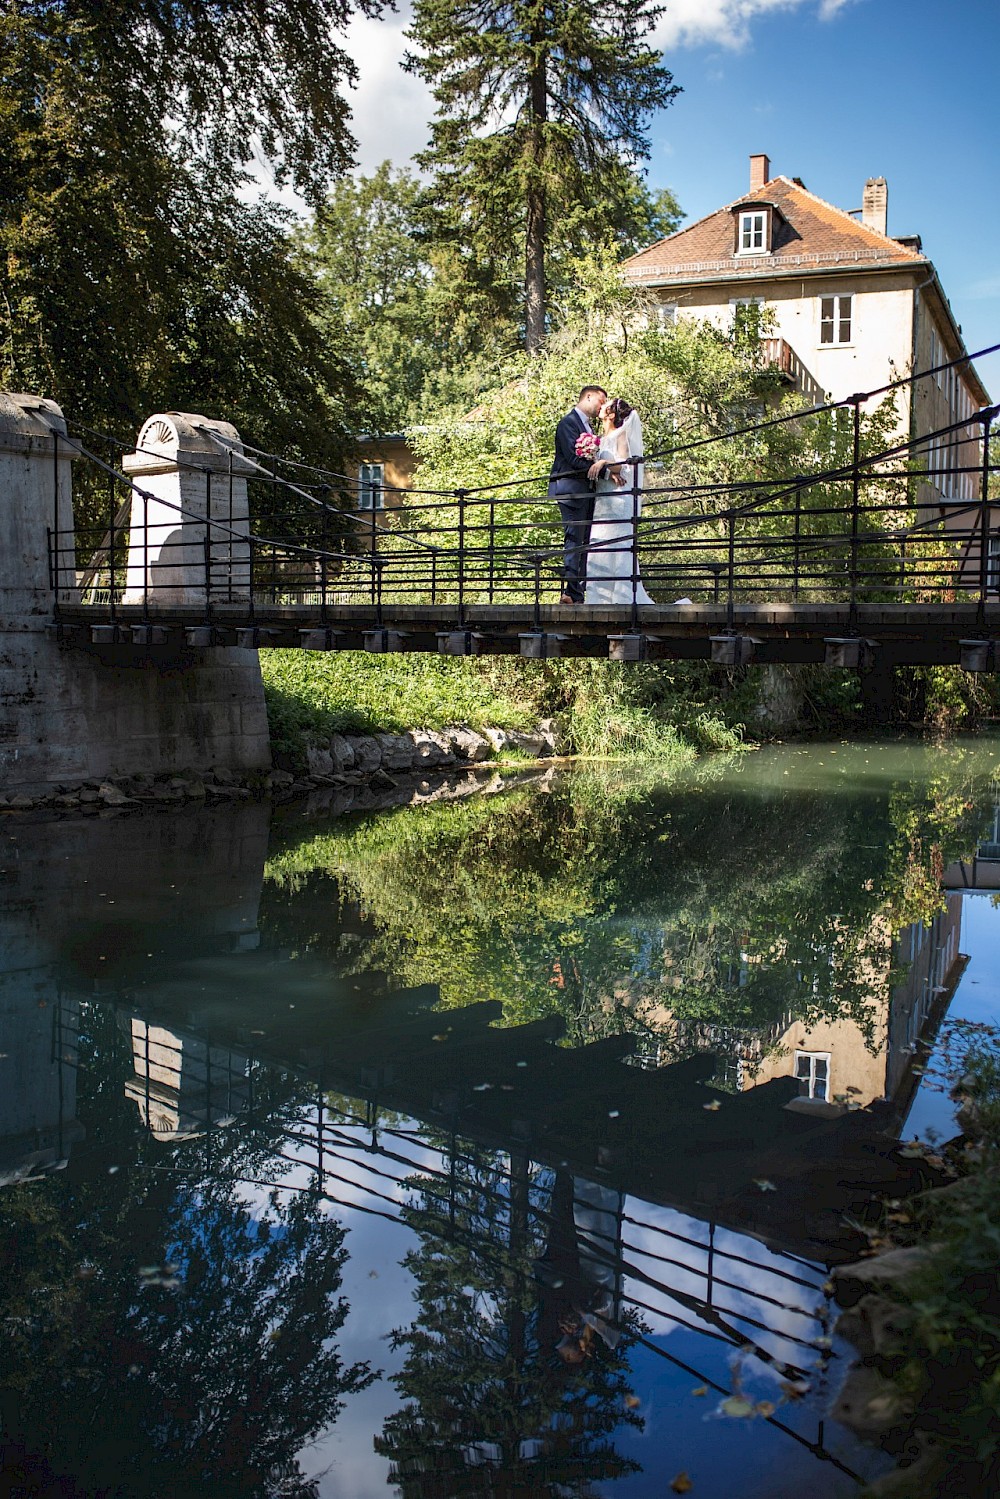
(391, 109)
(725, 23)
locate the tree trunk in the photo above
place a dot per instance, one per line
(534, 256)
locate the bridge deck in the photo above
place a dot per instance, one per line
(903, 634)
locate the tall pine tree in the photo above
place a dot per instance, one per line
(542, 111)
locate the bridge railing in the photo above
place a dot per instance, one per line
(846, 531)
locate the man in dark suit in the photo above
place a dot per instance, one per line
(573, 492)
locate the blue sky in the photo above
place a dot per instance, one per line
(833, 91)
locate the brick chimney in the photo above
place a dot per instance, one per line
(875, 204)
(760, 172)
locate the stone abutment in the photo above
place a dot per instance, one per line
(71, 713)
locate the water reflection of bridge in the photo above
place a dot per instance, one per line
(558, 1191)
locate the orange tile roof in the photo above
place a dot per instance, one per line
(810, 232)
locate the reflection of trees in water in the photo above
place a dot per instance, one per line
(131, 1384)
(636, 903)
(490, 1407)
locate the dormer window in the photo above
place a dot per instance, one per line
(755, 227)
(753, 233)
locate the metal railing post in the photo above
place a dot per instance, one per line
(635, 460)
(54, 543)
(208, 533)
(111, 551)
(462, 496)
(796, 555)
(145, 556)
(986, 417)
(434, 574)
(855, 400)
(208, 574)
(373, 543)
(492, 548)
(229, 589)
(731, 584)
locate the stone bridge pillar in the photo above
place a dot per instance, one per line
(189, 532)
(71, 714)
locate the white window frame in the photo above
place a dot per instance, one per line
(813, 1057)
(665, 314)
(836, 320)
(371, 484)
(753, 232)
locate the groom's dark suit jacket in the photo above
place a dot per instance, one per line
(572, 482)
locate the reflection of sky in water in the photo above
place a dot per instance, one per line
(683, 1431)
(977, 998)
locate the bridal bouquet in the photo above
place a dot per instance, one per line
(588, 445)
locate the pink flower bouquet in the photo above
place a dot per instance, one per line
(588, 445)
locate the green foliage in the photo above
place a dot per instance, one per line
(541, 116)
(603, 710)
(693, 384)
(134, 276)
(355, 692)
(379, 289)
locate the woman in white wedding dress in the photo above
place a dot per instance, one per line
(612, 568)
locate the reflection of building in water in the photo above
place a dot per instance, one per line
(982, 871)
(39, 1039)
(837, 1061)
(833, 1060)
(182, 1085)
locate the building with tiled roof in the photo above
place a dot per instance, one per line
(850, 306)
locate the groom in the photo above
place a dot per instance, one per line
(573, 492)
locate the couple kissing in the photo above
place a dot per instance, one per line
(596, 481)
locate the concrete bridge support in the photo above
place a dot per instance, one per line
(73, 714)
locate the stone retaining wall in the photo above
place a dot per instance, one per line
(359, 771)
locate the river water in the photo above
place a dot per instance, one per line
(500, 1146)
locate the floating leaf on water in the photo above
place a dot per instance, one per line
(736, 1407)
(522, 1064)
(766, 1408)
(824, 1342)
(700, 1389)
(441, 1036)
(482, 1087)
(682, 1484)
(614, 1113)
(794, 1391)
(631, 1401)
(713, 1106)
(764, 1184)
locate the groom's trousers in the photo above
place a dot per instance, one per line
(577, 511)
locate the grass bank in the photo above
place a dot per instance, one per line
(599, 709)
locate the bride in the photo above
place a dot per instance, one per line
(612, 565)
